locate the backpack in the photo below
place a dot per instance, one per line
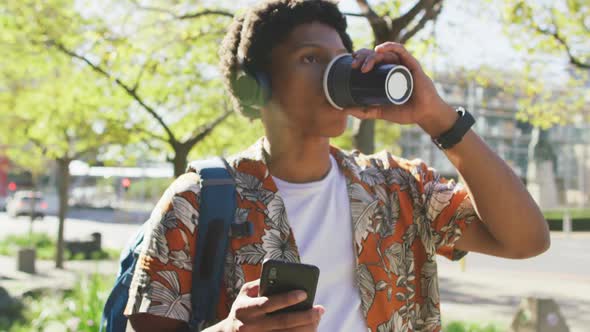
(216, 224)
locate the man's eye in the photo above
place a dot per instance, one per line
(309, 59)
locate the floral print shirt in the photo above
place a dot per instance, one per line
(403, 215)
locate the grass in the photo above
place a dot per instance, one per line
(45, 246)
(79, 309)
(574, 213)
(460, 326)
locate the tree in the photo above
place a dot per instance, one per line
(164, 64)
(57, 115)
(48, 106)
(555, 26)
(552, 29)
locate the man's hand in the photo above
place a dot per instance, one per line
(249, 312)
(425, 107)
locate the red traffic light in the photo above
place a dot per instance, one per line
(126, 182)
(12, 186)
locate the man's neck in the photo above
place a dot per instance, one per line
(298, 159)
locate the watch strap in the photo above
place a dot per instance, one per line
(454, 135)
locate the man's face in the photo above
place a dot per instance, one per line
(297, 68)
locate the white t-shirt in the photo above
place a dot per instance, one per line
(319, 215)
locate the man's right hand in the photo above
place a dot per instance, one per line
(249, 312)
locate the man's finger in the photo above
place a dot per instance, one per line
(280, 301)
(290, 320)
(359, 57)
(370, 62)
(390, 57)
(405, 56)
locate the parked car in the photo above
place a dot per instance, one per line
(23, 203)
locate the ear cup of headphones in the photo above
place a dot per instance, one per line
(264, 85)
(253, 88)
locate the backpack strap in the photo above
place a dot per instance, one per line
(216, 215)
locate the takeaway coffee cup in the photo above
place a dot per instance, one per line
(385, 84)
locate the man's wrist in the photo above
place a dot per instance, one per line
(439, 121)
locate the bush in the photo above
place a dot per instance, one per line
(79, 309)
(44, 244)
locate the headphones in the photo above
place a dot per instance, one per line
(252, 86)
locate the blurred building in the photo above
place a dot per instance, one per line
(555, 164)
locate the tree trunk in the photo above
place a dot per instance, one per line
(364, 137)
(399, 29)
(181, 152)
(33, 203)
(63, 183)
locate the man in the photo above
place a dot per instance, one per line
(372, 224)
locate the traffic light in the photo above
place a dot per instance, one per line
(126, 183)
(12, 186)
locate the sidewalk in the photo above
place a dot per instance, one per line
(490, 295)
(47, 276)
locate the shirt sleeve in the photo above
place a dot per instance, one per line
(162, 279)
(446, 206)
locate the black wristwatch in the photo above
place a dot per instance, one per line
(454, 135)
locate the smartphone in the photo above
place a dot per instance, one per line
(281, 277)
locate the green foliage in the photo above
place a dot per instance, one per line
(550, 29)
(154, 74)
(49, 106)
(460, 326)
(147, 189)
(235, 134)
(77, 310)
(44, 244)
(45, 247)
(386, 137)
(387, 8)
(344, 141)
